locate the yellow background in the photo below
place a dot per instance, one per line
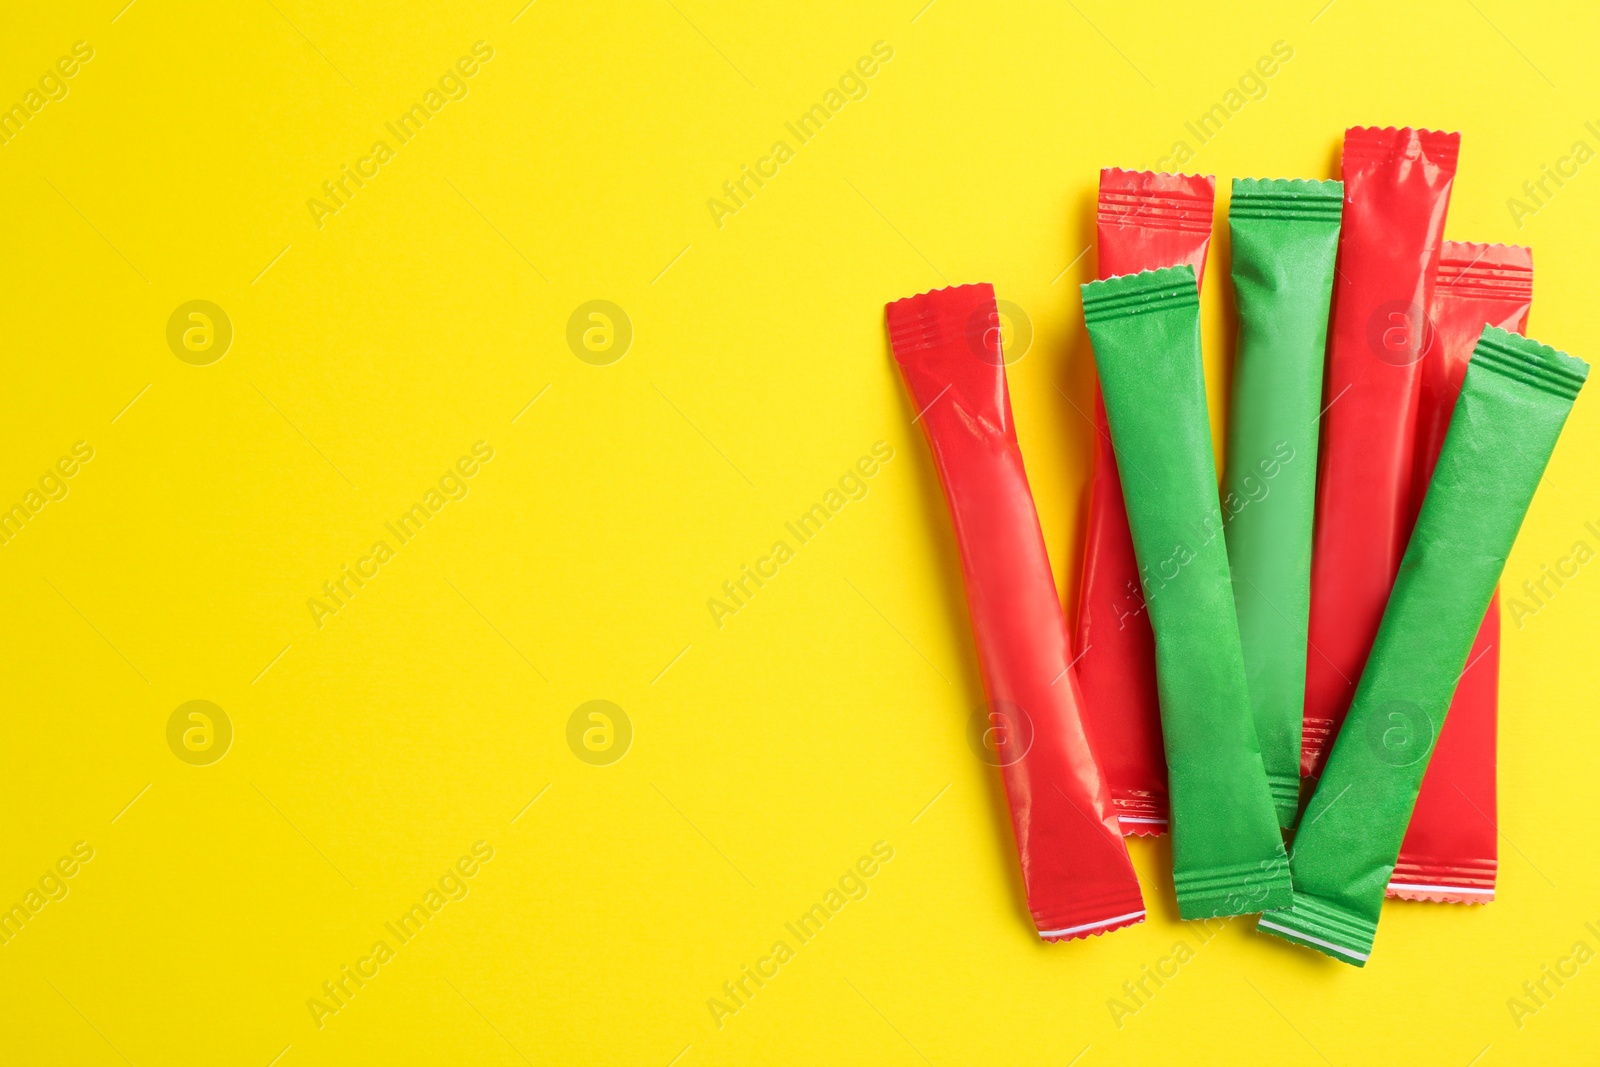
(828, 714)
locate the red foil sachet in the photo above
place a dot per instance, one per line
(1144, 221)
(1075, 867)
(1449, 854)
(1396, 192)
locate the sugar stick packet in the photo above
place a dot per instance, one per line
(1075, 866)
(1142, 221)
(1450, 850)
(1285, 235)
(1396, 191)
(1227, 852)
(1513, 403)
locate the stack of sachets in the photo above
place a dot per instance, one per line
(1307, 626)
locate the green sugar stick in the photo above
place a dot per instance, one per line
(1515, 398)
(1227, 853)
(1285, 235)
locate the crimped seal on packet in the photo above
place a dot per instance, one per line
(1075, 866)
(1227, 851)
(1285, 233)
(1513, 403)
(1143, 221)
(1450, 852)
(1396, 191)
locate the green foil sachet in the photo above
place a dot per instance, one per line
(1285, 236)
(1511, 408)
(1227, 852)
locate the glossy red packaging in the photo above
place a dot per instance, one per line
(1450, 853)
(1396, 191)
(1144, 221)
(1075, 867)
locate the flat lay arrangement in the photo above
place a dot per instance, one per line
(1307, 621)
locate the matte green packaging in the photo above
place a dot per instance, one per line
(1512, 405)
(1285, 235)
(1227, 852)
